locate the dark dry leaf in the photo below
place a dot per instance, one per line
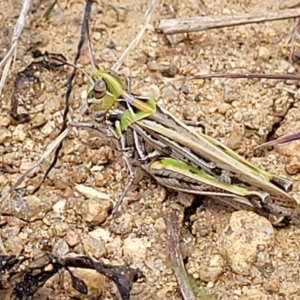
(9, 261)
(36, 275)
(78, 284)
(25, 284)
(122, 276)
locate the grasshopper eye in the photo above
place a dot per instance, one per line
(99, 89)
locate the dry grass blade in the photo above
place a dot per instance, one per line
(137, 39)
(173, 26)
(283, 140)
(6, 61)
(83, 109)
(187, 285)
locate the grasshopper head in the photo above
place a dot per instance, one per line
(100, 100)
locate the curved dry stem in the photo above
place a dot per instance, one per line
(12, 52)
(137, 39)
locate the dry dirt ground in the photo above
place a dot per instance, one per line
(240, 113)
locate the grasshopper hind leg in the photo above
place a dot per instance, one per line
(283, 183)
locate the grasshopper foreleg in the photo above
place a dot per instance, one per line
(89, 125)
(125, 156)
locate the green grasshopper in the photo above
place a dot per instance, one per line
(181, 157)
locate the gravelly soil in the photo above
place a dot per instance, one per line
(240, 113)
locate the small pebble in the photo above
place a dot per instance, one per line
(184, 90)
(14, 245)
(168, 92)
(176, 38)
(230, 93)
(4, 121)
(52, 217)
(60, 248)
(20, 133)
(31, 208)
(72, 238)
(96, 36)
(4, 134)
(271, 287)
(38, 120)
(170, 72)
(190, 111)
(296, 57)
(211, 270)
(48, 128)
(94, 247)
(59, 206)
(111, 45)
(238, 116)
(80, 174)
(204, 230)
(160, 224)
(60, 228)
(94, 211)
(292, 165)
(123, 225)
(242, 239)
(135, 248)
(223, 108)
(264, 53)
(198, 98)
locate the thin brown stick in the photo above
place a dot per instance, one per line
(236, 75)
(173, 26)
(137, 39)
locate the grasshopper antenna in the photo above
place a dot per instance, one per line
(74, 66)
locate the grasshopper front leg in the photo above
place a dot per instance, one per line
(89, 125)
(126, 155)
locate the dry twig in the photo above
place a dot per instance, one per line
(12, 52)
(173, 26)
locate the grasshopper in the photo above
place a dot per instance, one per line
(180, 157)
